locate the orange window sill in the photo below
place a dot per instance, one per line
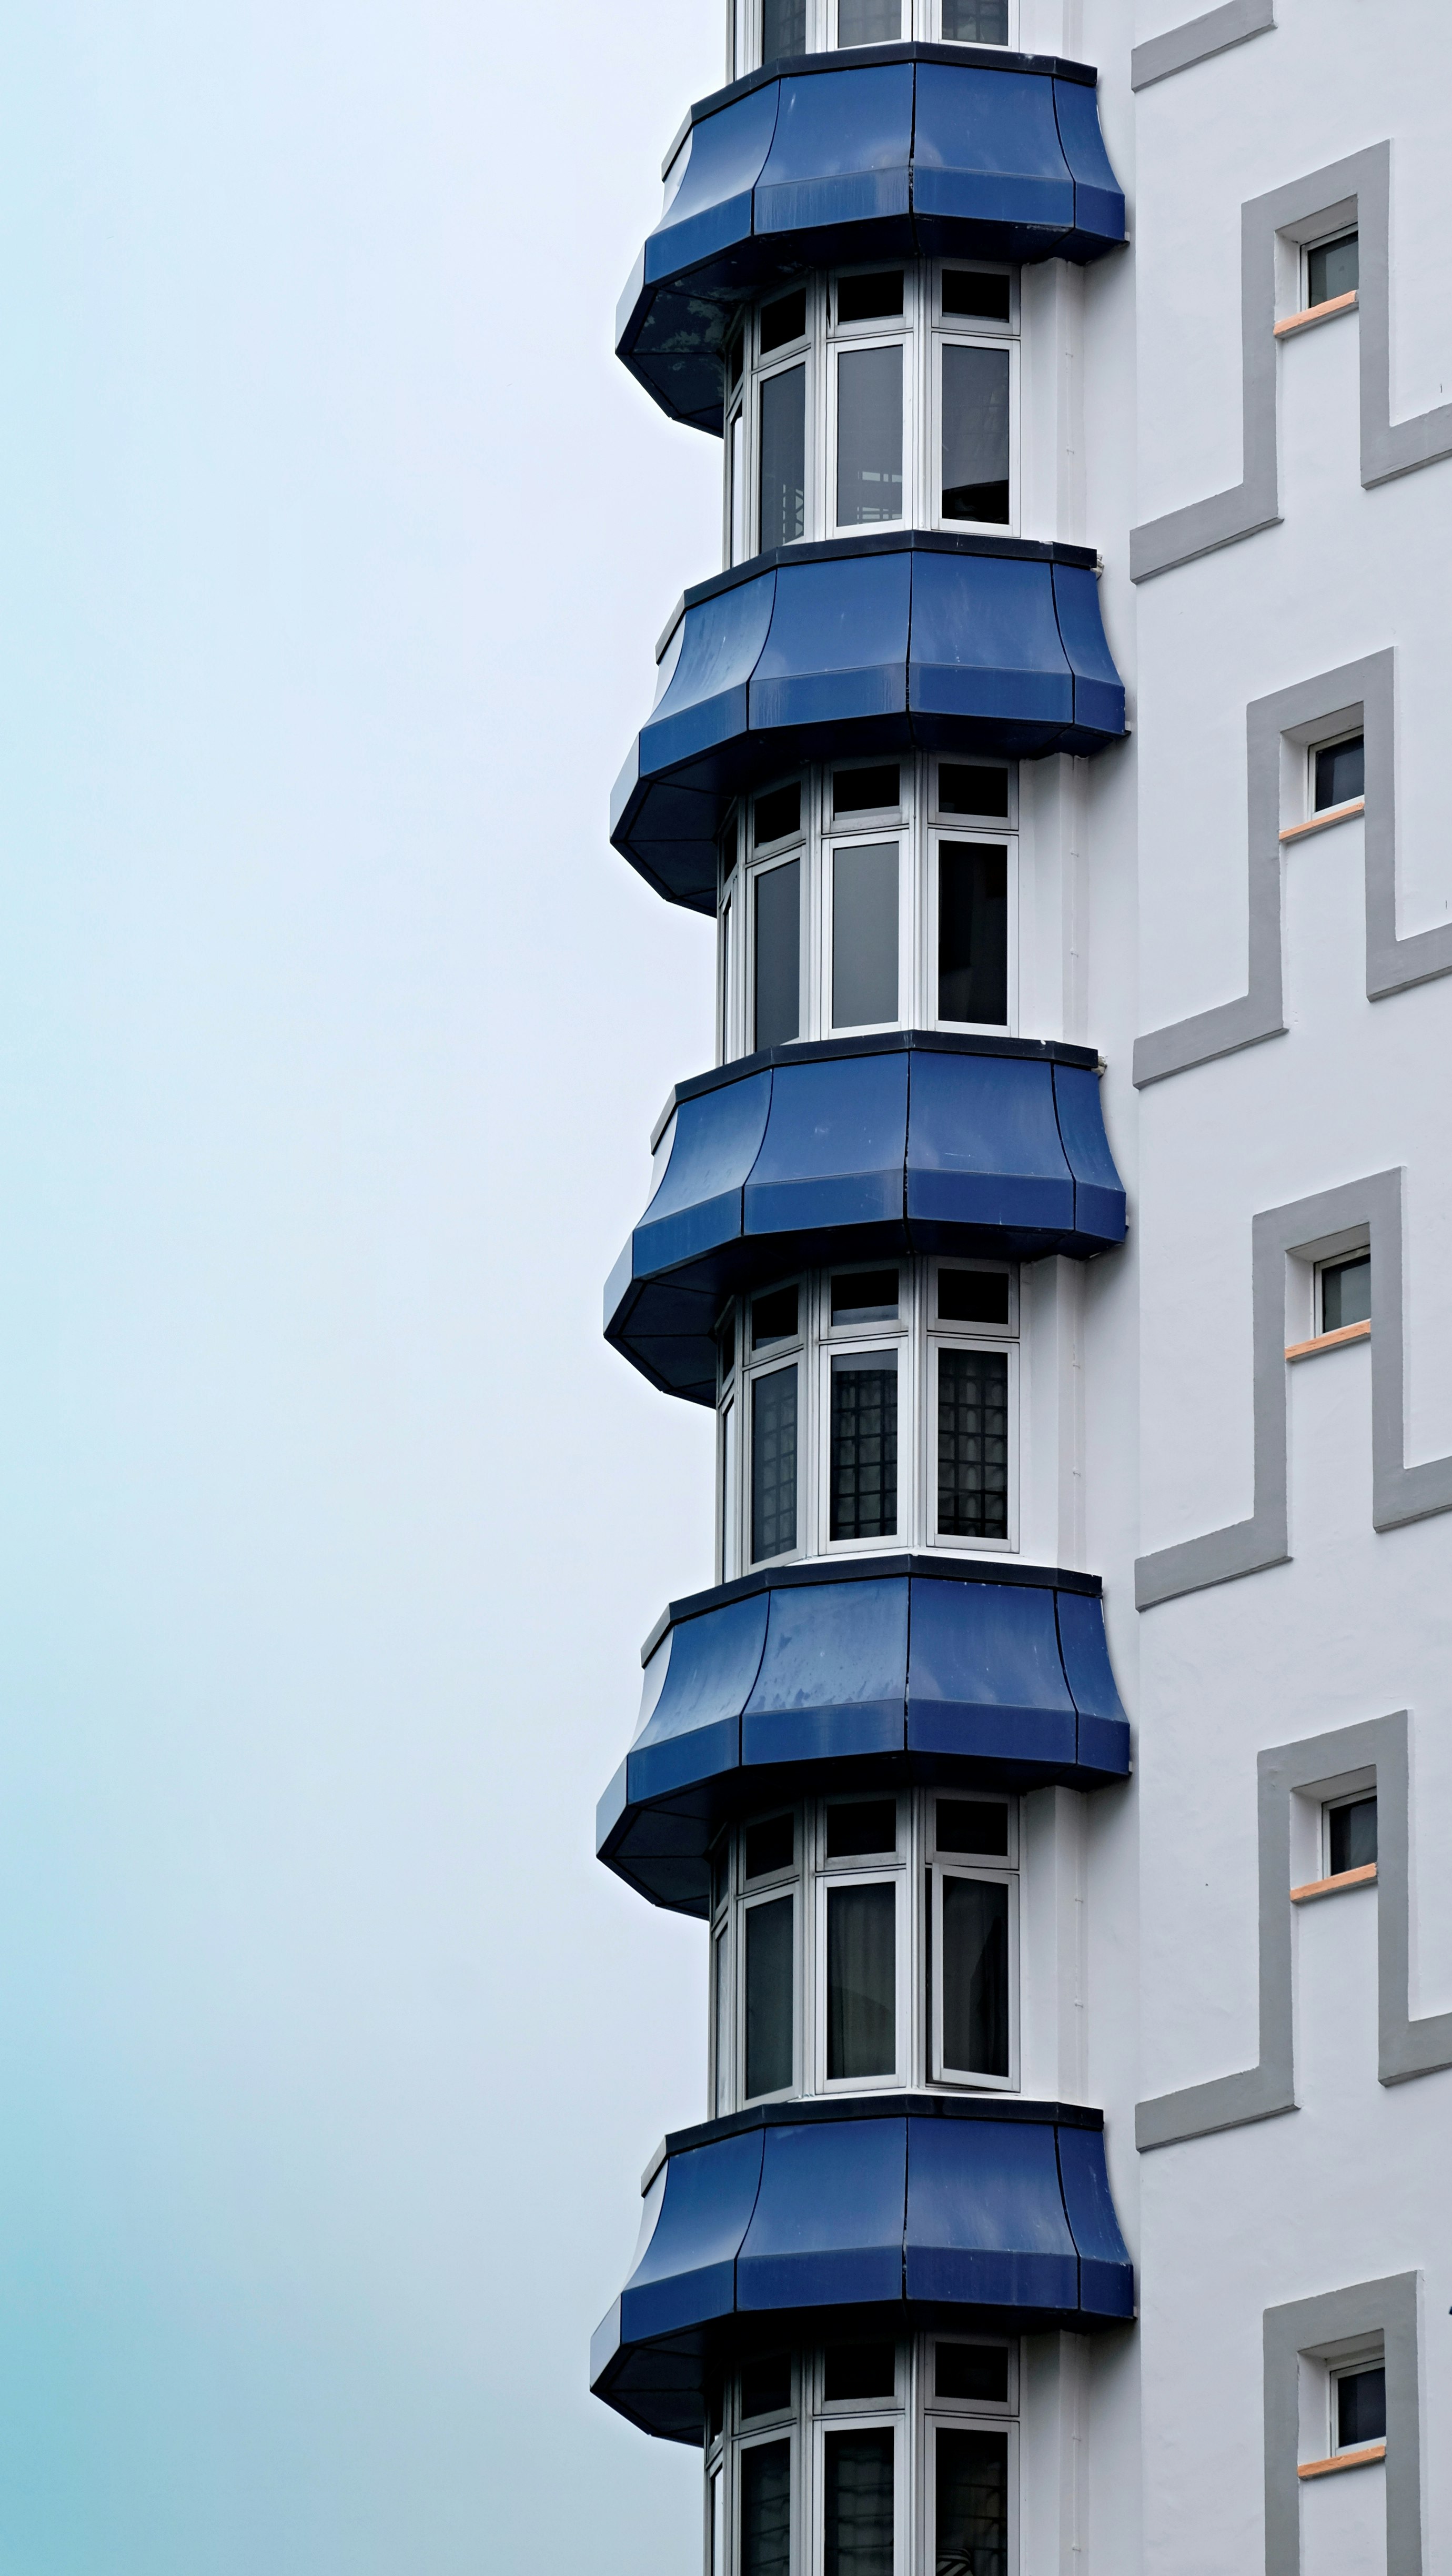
(1323, 821)
(1363, 1877)
(1329, 1341)
(1366, 2459)
(1315, 313)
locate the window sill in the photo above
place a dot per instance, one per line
(1323, 821)
(1315, 313)
(1329, 1341)
(1315, 1887)
(1365, 2459)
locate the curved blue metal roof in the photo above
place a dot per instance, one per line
(900, 1668)
(910, 2209)
(844, 1148)
(880, 642)
(891, 151)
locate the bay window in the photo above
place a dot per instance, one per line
(766, 31)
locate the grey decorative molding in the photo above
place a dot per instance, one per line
(1399, 1493)
(1198, 39)
(1313, 2329)
(1365, 689)
(1355, 191)
(1405, 2048)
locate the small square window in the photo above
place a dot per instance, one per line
(870, 299)
(773, 1317)
(971, 788)
(860, 1826)
(865, 1297)
(1345, 1292)
(1332, 269)
(766, 2385)
(1350, 1836)
(778, 814)
(858, 2370)
(1360, 2407)
(974, 1826)
(974, 2373)
(770, 1846)
(784, 320)
(866, 791)
(1340, 773)
(973, 1296)
(970, 291)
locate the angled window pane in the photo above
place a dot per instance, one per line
(768, 1997)
(971, 2500)
(864, 934)
(784, 458)
(784, 28)
(975, 1976)
(975, 434)
(774, 1463)
(869, 22)
(861, 1981)
(721, 2018)
(777, 997)
(766, 2509)
(770, 1845)
(864, 1445)
(973, 1444)
(1332, 268)
(973, 932)
(858, 2504)
(869, 437)
(1353, 1836)
(1340, 773)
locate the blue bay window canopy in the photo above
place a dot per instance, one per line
(843, 1149)
(893, 1671)
(893, 2214)
(879, 642)
(892, 152)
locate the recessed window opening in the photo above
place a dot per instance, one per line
(981, 294)
(1350, 1835)
(965, 788)
(972, 1296)
(1338, 773)
(973, 932)
(872, 789)
(864, 934)
(862, 1475)
(778, 814)
(1332, 269)
(869, 436)
(869, 22)
(975, 434)
(864, 1297)
(871, 298)
(1345, 1292)
(1358, 2410)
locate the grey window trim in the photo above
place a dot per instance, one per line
(1364, 691)
(1356, 191)
(1317, 1765)
(1198, 39)
(1390, 2307)
(1399, 1493)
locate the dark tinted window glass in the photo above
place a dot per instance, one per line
(766, 2384)
(971, 2501)
(777, 978)
(861, 1825)
(972, 932)
(864, 1296)
(1333, 268)
(869, 436)
(773, 1317)
(859, 2370)
(861, 1981)
(770, 1844)
(1353, 1836)
(975, 1976)
(1340, 773)
(715, 2410)
(864, 934)
(975, 22)
(864, 1445)
(783, 457)
(766, 2509)
(783, 28)
(774, 1463)
(733, 363)
(768, 1997)
(973, 1444)
(1360, 2407)
(778, 813)
(858, 2476)
(1346, 1293)
(784, 320)
(975, 434)
(863, 299)
(726, 1344)
(971, 789)
(863, 791)
(869, 22)
(965, 290)
(973, 1296)
(978, 2371)
(972, 1825)
(719, 1869)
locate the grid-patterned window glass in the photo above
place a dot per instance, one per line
(858, 2504)
(861, 1981)
(768, 1997)
(1340, 773)
(975, 22)
(1360, 2407)
(863, 1471)
(869, 22)
(975, 1976)
(774, 1463)
(784, 458)
(869, 437)
(973, 1444)
(1332, 268)
(1351, 1834)
(970, 2502)
(776, 1015)
(973, 932)
(975, 434)
(766, 2509)
(783, 28)
(1346, 1293)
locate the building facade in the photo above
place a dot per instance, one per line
(1059, 1235)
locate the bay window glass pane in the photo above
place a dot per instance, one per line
(858, 2504)
(721, 2021)
(784, 28)
(975, 22)
(861, 1981)
(718, 2525)
(971, 2500)
(972, 1444)
(737, 470)
(975, 1976)
(863, 1469)
(766, 2509)
(728, 1493)
(869, 437)
(774, 1464)
(869, 22)
(975, 434)
(777, 999)
(768, 1997)
(864, 934)
(973, 932)
(784, 457)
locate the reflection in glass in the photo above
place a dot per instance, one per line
(864, 1444)
(770, 1845)
(1340, 773)
(858, 2502)
(777, 999)
(857, 2370)
(864, 934)
(766, 2385)
(973, 1296)
(972, 1444)
(975, 22)
(768, 1997)
(1346, 1293)
(972, 1825)
(1333, 268)
(869, 22)
(871, 297)
(975, 434)
(973, 932)
(975, 2371)
(784, 457)
(1353, 1836)
(774, 1464)
(1360, 2407)
(975, 1976)
(864, 1296)
(861, 1982)
(971, 2498)
(869, 436)
(766, 2509)
(783, 28)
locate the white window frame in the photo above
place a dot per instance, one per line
(1323, 241)
(864, 834)
(980, 835)
(769, 1891)
(790, 1352)
(1349, 2364)
(966, 2415)
(1333, 1261)
(865, 1869)
(937, 1337)
(1325, 742)
(840, 1339)
(778, 855)
(997, 1869)
(852, 339)
(1332, 1806)
(921, 20)
(784, 2428)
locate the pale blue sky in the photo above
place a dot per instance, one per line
(334, 546)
